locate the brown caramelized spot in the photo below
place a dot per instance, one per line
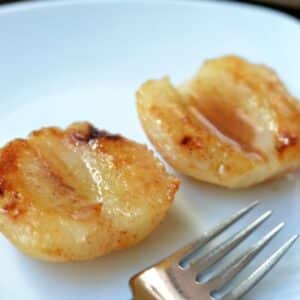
(13, 208)
(286, 140)
(9, 157)
(109, 136)
(1, 191)
(185, 140)
(94, 133)
(190, 143)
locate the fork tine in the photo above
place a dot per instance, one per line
(260, 272)
(229, 272)
(221, 250)
(191, 248)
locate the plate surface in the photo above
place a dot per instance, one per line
(83, 60)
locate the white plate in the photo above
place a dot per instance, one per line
(83, 60)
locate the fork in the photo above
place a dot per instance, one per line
(178, 276)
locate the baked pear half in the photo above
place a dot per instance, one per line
(233, 124)
(79, 193)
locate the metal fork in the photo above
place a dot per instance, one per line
(177, 277)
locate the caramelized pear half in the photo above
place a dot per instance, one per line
(233, 124)
(79, 193)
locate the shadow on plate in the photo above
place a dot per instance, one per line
(266, 190)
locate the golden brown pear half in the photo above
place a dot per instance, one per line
(79, 193)
(233, 124)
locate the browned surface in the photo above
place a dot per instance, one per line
(233, 124)
(80, 193)
(286, 141)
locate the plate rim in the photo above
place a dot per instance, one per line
(32, 5)
(40, 6)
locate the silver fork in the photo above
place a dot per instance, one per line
(176, 277)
